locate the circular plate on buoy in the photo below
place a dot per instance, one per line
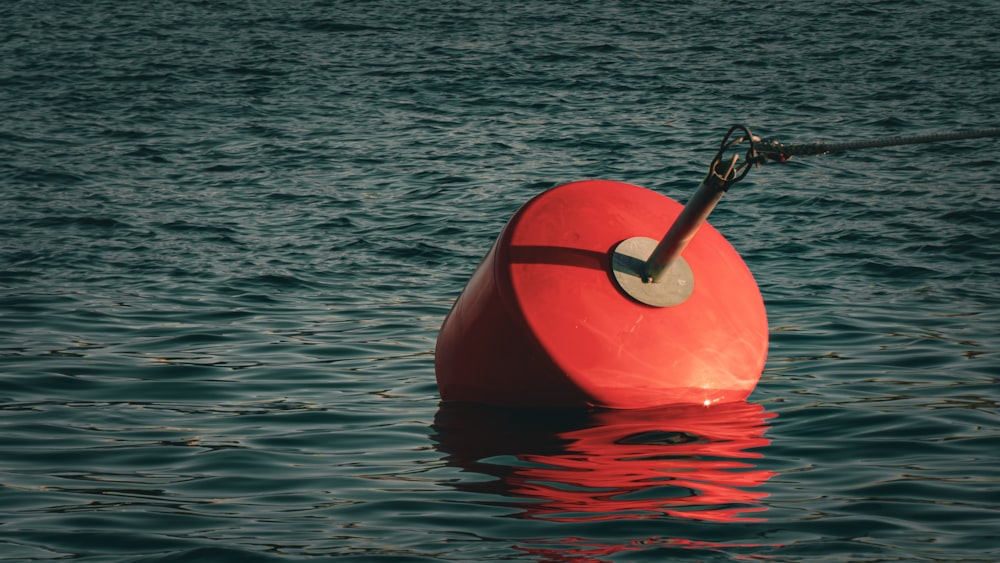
(543, 321)
(628, 261)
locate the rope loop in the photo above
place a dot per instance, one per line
(724, 174)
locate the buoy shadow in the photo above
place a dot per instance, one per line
(586, 465)
(560, 256)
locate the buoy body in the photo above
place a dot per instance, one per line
(543, 323)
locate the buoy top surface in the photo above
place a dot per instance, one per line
(554, 269)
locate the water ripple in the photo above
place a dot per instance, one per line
(232, 230)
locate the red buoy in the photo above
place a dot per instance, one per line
(544, 322)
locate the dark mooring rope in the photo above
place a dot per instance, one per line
(773, 150)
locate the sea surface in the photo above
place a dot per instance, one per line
(231, 231)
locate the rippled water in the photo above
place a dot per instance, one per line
(232, 229)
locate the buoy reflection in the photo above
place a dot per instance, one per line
(689, 462)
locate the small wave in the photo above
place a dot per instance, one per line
(49, 177)
(184, 226)
(270, 281)
(338, 27)
(86, 222)
(211, 555)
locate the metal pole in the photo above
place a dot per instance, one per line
(695, 212)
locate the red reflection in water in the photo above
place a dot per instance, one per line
(686, 462)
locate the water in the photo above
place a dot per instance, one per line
(232, 229)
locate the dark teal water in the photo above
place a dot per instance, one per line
(231, 231)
